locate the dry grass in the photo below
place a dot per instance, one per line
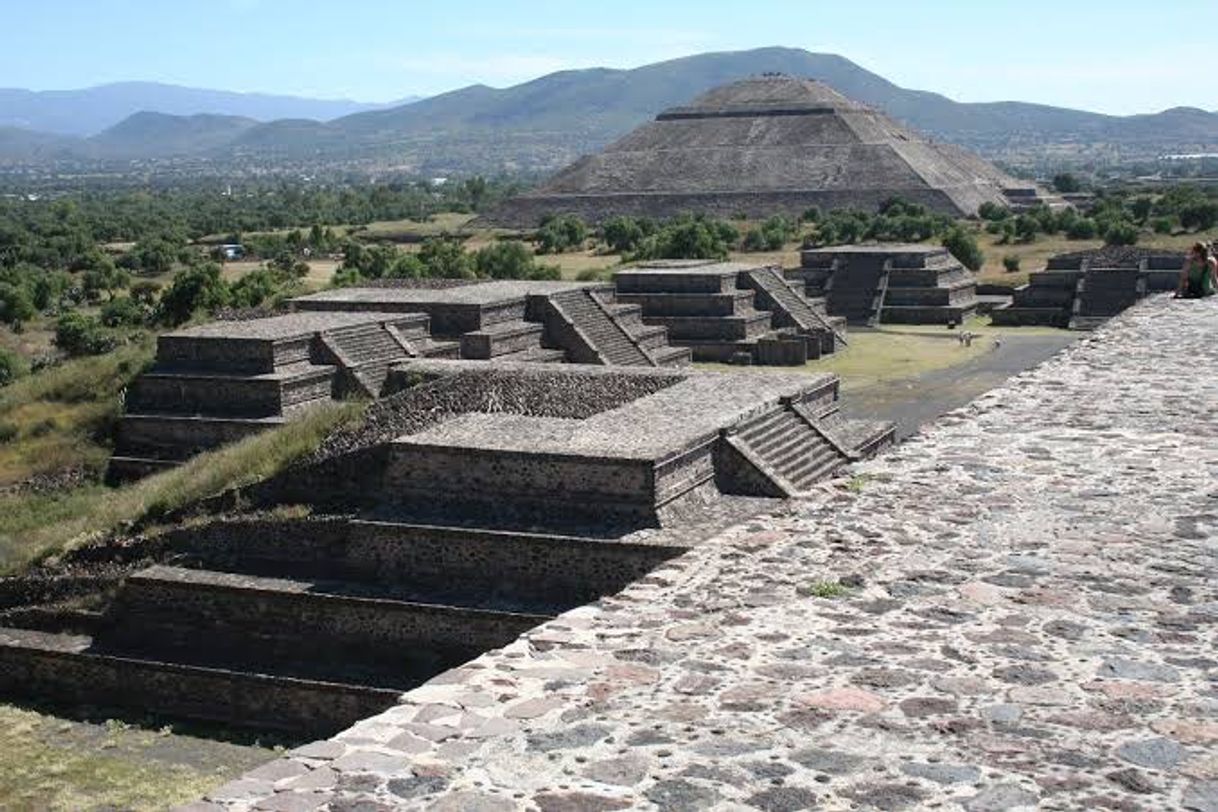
(33, 526)
(320, 271)
(53, 764)
(61, 417)
(880, 356)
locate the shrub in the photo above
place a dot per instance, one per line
(200, 288)
(1066, 183)
(963, 247)
(810, 215)
(504, 260)
(1010, 263)
(122, 311)
(993, 212)
(16, 305)
(1163, 225)
(445, 258)
(12, 367)
(1026, 228)
(564, 232)
(1121, 232)
(1199, 216)
(77, 334)
(622, 234)
(687, 237)
(1084, 228)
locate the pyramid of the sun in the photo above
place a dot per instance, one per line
(766, 145)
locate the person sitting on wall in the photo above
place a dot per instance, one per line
(1199, 276)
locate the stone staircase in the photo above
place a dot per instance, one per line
(604, 337)
(796, 448)
(306, 626)
(789, 309)
(366, 352)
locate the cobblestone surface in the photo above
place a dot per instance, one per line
(1013, 610)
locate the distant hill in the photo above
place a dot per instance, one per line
(155, 135)
(545, 123)
(91, 110)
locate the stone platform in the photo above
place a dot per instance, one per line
(1014, 610)
(1083, 290)
(730, 311)
(892, 283)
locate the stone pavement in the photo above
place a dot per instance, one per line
(1013, 610)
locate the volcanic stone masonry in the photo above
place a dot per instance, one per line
(218, 382)
(1014, 610)
(767, 145)
(1081, 290)
(891, 283)
(485, 499)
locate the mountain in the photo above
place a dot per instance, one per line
(546, 123)
(91, 110)
(157, 135)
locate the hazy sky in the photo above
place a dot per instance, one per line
(1118, 56)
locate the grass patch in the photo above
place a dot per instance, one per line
(53, 764)
(878, 356)
(61, 417)
(857, 483)
(824, 589)
(34, 526)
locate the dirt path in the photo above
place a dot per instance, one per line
(914, 402)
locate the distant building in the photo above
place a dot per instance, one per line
(231, 251)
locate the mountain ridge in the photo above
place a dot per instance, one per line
(86, 112)
(545, 123)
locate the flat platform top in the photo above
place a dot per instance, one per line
(879, 248)
(289, 325)
(483, 293)
(690, 267)
(651, 427)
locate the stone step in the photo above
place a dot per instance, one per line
(536, 355)
(650, 337)
(672, 356)
(222, 395)
(71, 670)
(318, 628)
(122, 468)
(179, 437)
(815, 468)
(523, 570)
(501, 339)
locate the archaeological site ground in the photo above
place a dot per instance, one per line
(744, 509)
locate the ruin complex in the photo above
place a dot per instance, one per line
(1082, 290)
(902, 284)
(477, 501)
(767, 145)
(218, 382)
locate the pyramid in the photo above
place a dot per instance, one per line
(767, 145)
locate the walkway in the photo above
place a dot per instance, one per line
(1016, 609)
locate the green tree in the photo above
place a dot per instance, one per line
(622, 234)
(1121, 232)
(196, 289)
(123, 311)
(963, 247)
(445, 259)
(504, 260)
(16, 306)
(559, 233)
(77, 334)
(1067, 183)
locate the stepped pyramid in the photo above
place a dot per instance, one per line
(766, 145)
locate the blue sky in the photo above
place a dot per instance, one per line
(1116, 57)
